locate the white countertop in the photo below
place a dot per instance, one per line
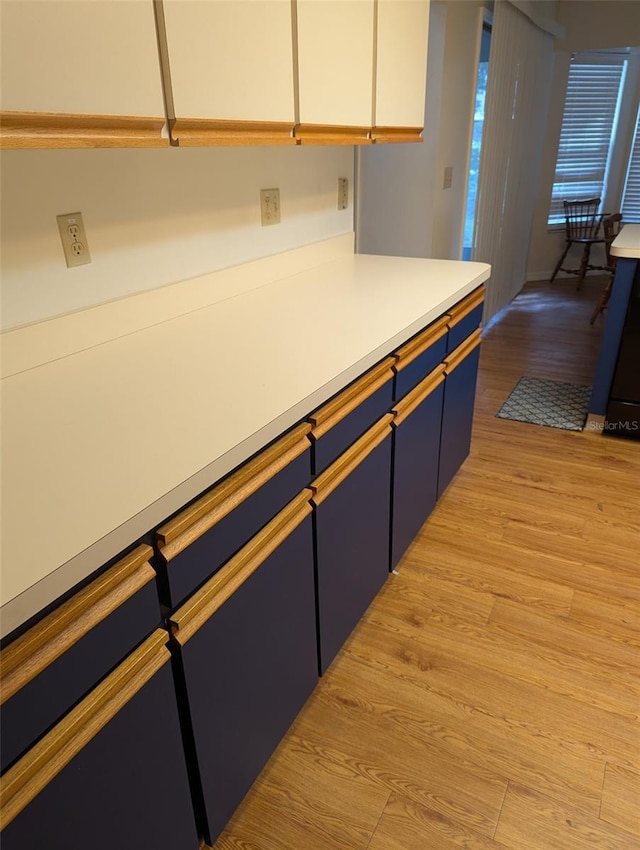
(627, 243)
(101, 445)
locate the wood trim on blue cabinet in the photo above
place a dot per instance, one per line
(416, 454)
(186, 621)
(196, 543)
(22, 783)
(110, 774)
(465, 317)
(174, 536)
(57, 661)
(346, 417)
(457, 411)
(351, 524)
(248, 655)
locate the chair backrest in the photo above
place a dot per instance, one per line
(582, 219)
(611, 225)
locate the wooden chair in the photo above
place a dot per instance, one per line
(582, 224)
(611, 226)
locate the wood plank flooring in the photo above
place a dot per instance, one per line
(490, 697)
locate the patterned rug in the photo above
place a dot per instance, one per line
(556, 404)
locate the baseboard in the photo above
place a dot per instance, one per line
(594, 424)
(532, 277)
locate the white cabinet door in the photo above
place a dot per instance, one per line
(81, 58)
(403, 27)
(335, 62)
(231, 64)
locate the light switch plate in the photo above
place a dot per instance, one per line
(343, 193)
(74, 239)
(447, 181)
(270, 206)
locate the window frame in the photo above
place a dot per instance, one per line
(601, 168)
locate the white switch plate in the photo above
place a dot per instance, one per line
(270, 206)
(343, 193)
(74, 239)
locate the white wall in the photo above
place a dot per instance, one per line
(396, 182)
(461, 56)
(403, 209)
(589, 25)
(154, 217)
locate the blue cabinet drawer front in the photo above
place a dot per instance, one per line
(416, 449)
(467, 325)
(334, 442)
(46, 697)
(202, 558)
(352, 549)
(248, 671)
(126, 789)
(414, 372)
(457, 418)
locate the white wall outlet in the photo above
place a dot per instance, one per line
(270, 206)
(74, 239)
(343, 193)
(447, 181)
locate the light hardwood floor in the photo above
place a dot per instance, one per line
(490, 697)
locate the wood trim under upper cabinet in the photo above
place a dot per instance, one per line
(44, 761)
(202, 515)
(39, 647)
(191, 132)
(352, 397)
(405, 407)
(186, 621)
(380, 135)
(68, 130)
(340, 469)
(453, 360)
(332, 134)
(466, 306)
(419, 344)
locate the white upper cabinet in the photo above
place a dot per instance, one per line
(401, 66)
(335, 64)
(92, 61)
(230, 61)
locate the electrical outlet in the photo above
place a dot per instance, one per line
(270, 206)
(343, 193)
(447, 182)
(74, 239)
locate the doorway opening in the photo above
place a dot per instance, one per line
(476, 142)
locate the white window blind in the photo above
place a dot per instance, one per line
(631, 198)
(518, 88)
(588, 124)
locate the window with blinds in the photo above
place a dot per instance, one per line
(631, 197)
(588, 126)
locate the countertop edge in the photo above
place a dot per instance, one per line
(627, 244)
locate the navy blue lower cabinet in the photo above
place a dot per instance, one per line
(56, 662)
(346, 417)
(461, 368)
(420, 356)
(200, 539)
(352, 515)
(112, 773)
(416, 451)
(247, 651)
(465, 318)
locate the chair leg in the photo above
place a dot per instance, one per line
(584, 263)
(603, 300)
(560, 262)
